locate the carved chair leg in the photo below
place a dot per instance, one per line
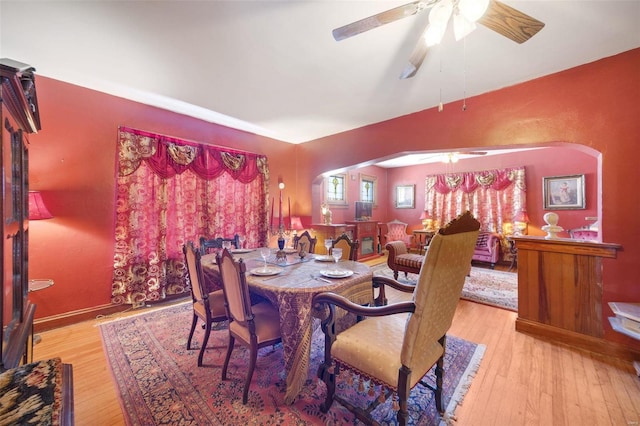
(194, 322)
(403, 395)
(395, 274)
(204, 344)
(253, 355)
(232, 341)
(330, 381)
(439, 376)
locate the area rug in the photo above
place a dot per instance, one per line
(494, 288)
(159, 383)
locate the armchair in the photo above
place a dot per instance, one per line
(396, 351)
(397, 231)
(399, 259)
(487, 248)
(206, 244)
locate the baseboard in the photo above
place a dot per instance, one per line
(73, 317)
(576, 340)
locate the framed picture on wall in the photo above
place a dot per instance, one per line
(405, 196)
(563, 192)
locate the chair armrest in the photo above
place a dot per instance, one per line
(380, 282)
(396, 248)
(333, 299)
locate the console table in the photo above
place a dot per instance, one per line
(422, 237)
(560, 289)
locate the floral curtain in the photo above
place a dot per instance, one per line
(170, 191)
(494, 197)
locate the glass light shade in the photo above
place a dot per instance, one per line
(441, 12)
(473, 9)
(433, 34)
(37, 208)
(462, 27)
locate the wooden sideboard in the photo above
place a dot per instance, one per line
(366, 232)
(333, 231)
(560, 290)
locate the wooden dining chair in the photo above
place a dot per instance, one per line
(305, 237)
(396, 351)
(207, 306)
(349, 247)
(207, 244)
(253, 326)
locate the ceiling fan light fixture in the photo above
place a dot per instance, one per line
(462, 27)
(433, 34)
(441, 12)
(473, 9)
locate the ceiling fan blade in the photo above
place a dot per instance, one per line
(416, 59)
(510, 22)
(382, 18)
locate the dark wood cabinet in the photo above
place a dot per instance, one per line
(19, 117)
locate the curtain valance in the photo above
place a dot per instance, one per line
(168, 156)
(470, 181)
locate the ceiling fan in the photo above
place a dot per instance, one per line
(493, 14)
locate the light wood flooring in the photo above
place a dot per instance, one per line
(521, 380)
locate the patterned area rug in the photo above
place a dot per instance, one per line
(160, 384)
(495, 288)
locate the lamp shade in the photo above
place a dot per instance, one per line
(37, 209)
(296, 223)
(522, 216)
(425, 215)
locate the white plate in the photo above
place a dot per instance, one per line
(265, 272)
(241, 250)
(336, 273)
(325, 258)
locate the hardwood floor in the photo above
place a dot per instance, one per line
(521, 381)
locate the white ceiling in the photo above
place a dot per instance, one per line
(273, 67)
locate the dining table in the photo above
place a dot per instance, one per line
(290, 283)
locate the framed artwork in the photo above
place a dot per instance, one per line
(563, 192)
(405, 196)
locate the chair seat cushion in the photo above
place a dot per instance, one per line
(410, 260)
(267, 320)
(216, 304)
(373, 347)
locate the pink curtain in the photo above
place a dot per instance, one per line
(170, 191)
(494, 197)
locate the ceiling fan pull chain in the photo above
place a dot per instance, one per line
(464, 74)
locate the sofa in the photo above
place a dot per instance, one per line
(400, 260)
(487, 248)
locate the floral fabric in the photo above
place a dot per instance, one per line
(494, 197)
(171, 191)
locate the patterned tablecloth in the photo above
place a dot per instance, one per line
(291, 291)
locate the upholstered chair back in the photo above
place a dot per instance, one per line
(235, 286)
(192, 257)
(349, 247)
(437, 293)
(397, 231)
(309, 243)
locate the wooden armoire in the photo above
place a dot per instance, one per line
(20, 118)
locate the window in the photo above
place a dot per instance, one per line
(368, 188)
(336, 190)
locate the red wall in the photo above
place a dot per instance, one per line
(538, 163)
(72, 162)
(595, 105)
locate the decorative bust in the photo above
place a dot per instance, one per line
(326, 214)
